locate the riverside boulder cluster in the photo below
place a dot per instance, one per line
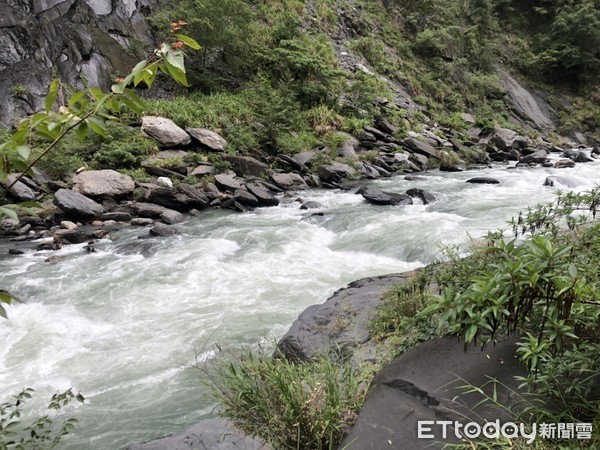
(105, 199)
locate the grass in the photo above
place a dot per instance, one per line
(289, 405)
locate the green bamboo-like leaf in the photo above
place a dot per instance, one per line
(188, 41)
(139, 67)
(118, 88)
(52, 93)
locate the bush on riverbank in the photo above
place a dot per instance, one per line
(290, 405)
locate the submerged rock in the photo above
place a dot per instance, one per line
(483, 180)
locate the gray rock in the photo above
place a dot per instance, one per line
(335, 172)
(202, 170)
(425, 383)
(483, 180)
(72, 236)
(581, 157)
(264, 196)
(426, 197)
(537, 157)
(77, 205)
(564, 164)
(146, 248)
(196, 198)
(311, 205)
(19, 190)
(117, 216)
(160, 229)
(503, 138)
(320, 328)
(289, 181)
(247, 165)
(172, 198)
(171, 217)
(97, 183)
(415, 178)
(209, 139)
(304, 158)
(227, 182)
(164, 131)
(368, 171)
(383, 125)
(141, 221)
(379, 197)
(421, 148)
(210, 434)
(556, 181)
(68, 225)
(245, 198)
(421, 162)
(164, 182)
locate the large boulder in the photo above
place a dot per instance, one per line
(315, 331)
(304, 159)
(335, 172)
(19, 190)
(421, 148)
(209, 139)
(164, 131)
(379, 197)
(227, 182)
(289, 181)
(503, 138)
(182, 199)
(427, 383)
(98, 183)
(264, 196)
(426, 197)
(77, 205)
(537, 157)
(483, 180)
(247, 165)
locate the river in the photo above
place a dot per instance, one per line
(126, 330)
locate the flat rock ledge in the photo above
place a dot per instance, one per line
(210, 434)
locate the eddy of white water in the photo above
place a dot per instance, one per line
(125, 330)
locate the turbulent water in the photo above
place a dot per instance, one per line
(126, 330)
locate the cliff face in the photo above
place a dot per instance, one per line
(80, 41)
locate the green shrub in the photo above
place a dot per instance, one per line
(290, 406)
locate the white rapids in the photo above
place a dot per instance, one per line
(125, 330)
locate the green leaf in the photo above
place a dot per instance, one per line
(188, 41)
(175, 59)
(175, 73)
(76, 99)
(97, 126)
(52, 93)
(23, 151)
(131, 105)
(118, 88)
(82, 131)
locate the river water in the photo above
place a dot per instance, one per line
(126, 330)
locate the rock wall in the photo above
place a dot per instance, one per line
(84, 42)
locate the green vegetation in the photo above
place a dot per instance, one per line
(545, 289)
(44, 433)
(290, 405)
